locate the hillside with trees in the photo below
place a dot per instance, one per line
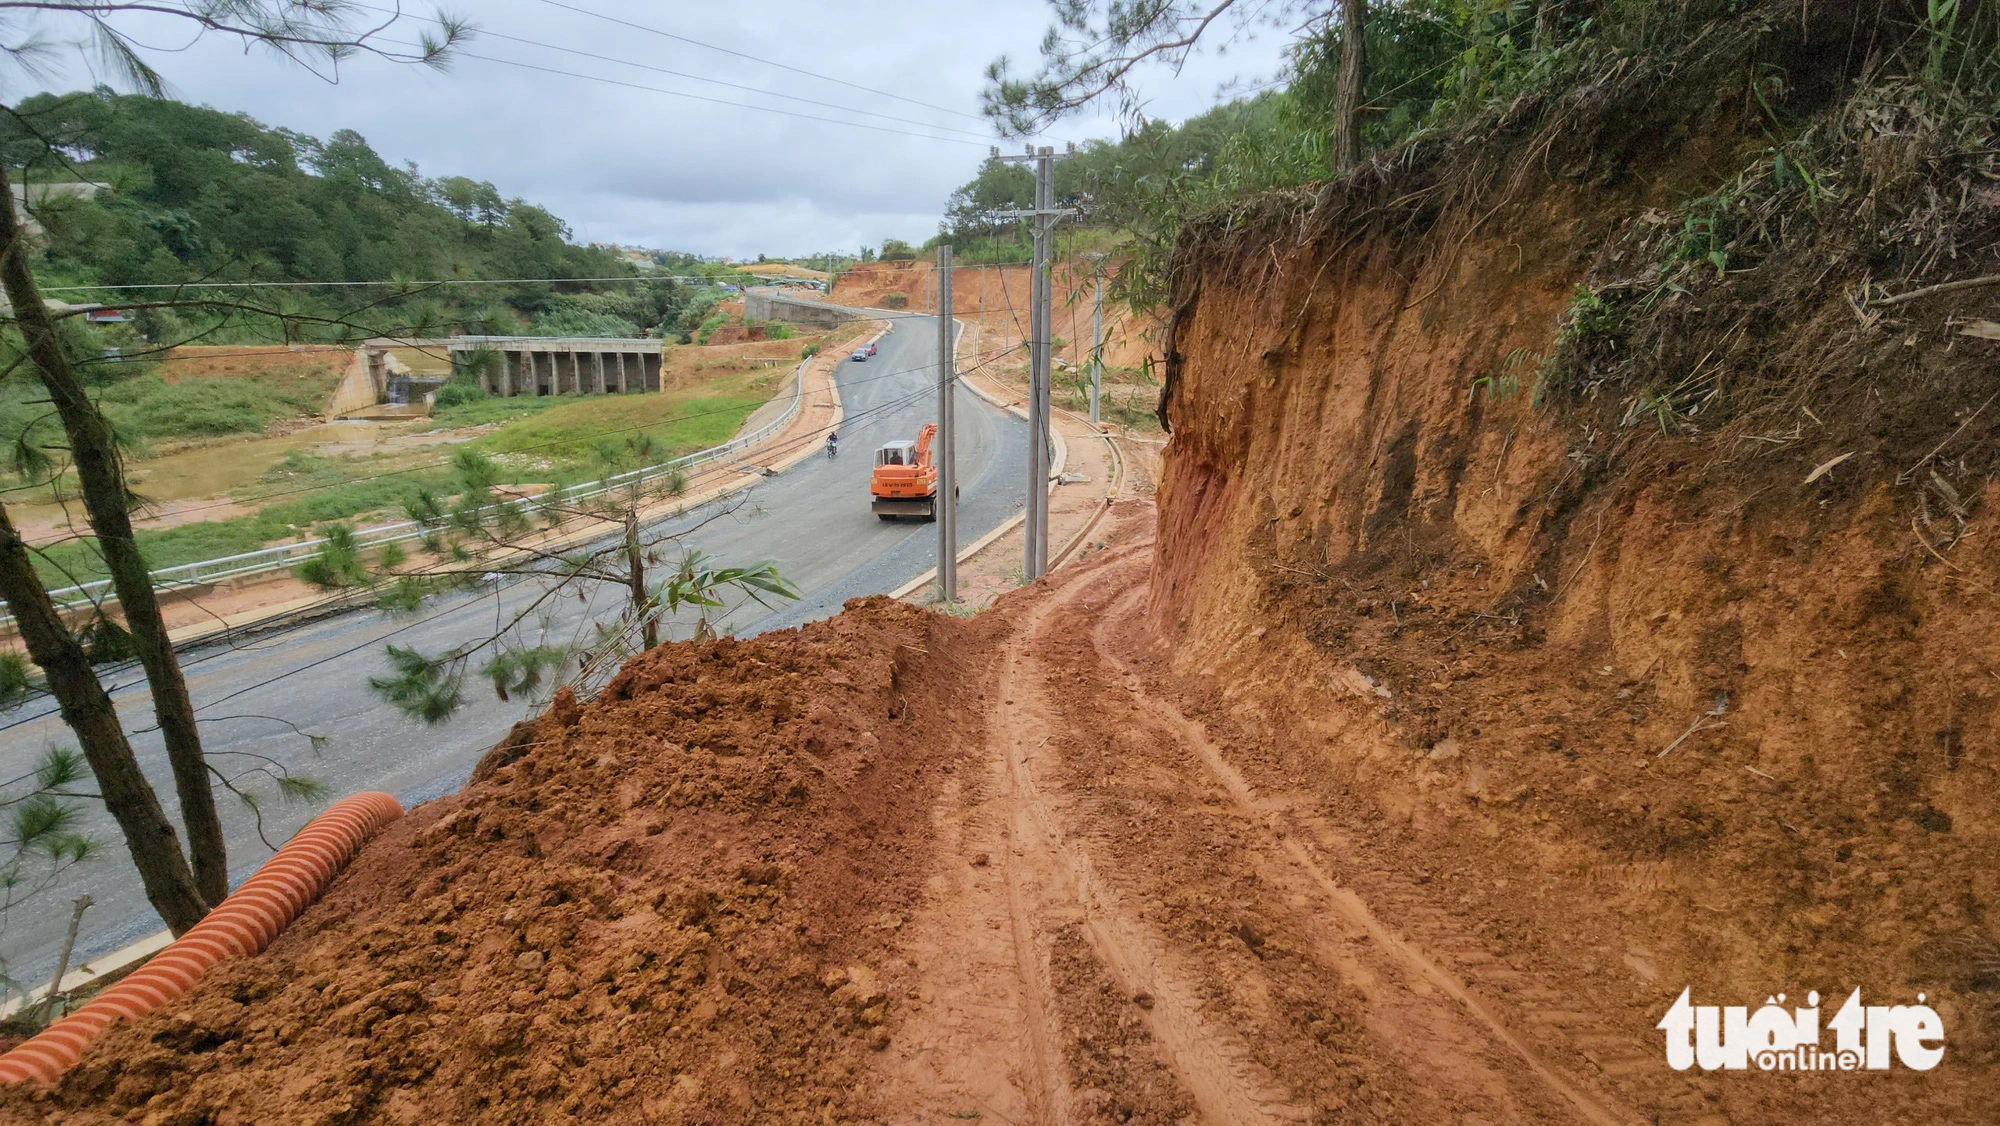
(194, 196)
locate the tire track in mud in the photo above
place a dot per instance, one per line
(981, 1038)
(1226, 1083)
(1426, 1035)
(1048, 1090)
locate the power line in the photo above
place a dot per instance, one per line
(718, 101)
(756, 59)
(625, 279)
(628, 278)
(850, 420)
(876, 410)
(985, 137)
(442, 462)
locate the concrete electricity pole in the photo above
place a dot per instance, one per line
(1036, 561)
(947, 459)
(1041, 319)
(1097, 344)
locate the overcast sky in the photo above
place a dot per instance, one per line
(637, 166)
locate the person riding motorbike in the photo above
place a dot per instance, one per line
(832, 443)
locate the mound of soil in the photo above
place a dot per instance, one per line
(225, 361)
(999, 297)
(675, 903)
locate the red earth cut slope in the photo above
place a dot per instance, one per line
(1662, 710)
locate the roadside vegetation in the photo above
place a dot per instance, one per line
(194, 196)
(117, 191)
(553, 440)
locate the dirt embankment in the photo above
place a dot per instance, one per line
(998, 298)
(271, 363)
(1652, 697)
(674, 904)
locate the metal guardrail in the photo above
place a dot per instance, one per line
(288, 555)
(543, 343)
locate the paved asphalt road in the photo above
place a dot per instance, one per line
(813, 520)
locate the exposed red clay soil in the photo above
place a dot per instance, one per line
(676, 903)
(266, 361)
(1403, 768)
(906, 868)
(998, 298)
(1593, 712)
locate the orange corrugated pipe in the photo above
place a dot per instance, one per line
(246, 922)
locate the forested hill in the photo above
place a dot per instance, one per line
(200, 195)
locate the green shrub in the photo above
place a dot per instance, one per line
(337, 563)
(105, 642)
(150, 407)
(571, 320)
(13, 679)
(896, 301)
(457, 394)
(709, 327)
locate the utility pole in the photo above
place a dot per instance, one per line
(1037, 553)
(1041, 319)
(947, 462)
(1097, 344)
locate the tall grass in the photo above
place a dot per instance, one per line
(150, 407)
(572, 431)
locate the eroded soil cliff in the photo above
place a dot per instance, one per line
(1651, 607)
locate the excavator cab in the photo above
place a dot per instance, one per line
(904, 482)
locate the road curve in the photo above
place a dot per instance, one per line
(254, 696)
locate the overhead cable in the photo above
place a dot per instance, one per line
(756, 59)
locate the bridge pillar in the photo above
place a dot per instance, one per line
(597, 364)
(621, 373)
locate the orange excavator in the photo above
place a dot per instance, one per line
(905, 478)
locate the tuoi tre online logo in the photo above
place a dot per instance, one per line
(1865, 1037)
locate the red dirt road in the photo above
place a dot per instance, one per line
(900, 867)
(1122, 928)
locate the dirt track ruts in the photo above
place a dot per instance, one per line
(1124, 928)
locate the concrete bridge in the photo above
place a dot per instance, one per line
(379, 385)
(543, 365)
(771, 305)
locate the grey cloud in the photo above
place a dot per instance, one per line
(632, 166)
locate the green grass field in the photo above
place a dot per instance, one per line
(553, 440)
(573, 431)
(314, 489)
